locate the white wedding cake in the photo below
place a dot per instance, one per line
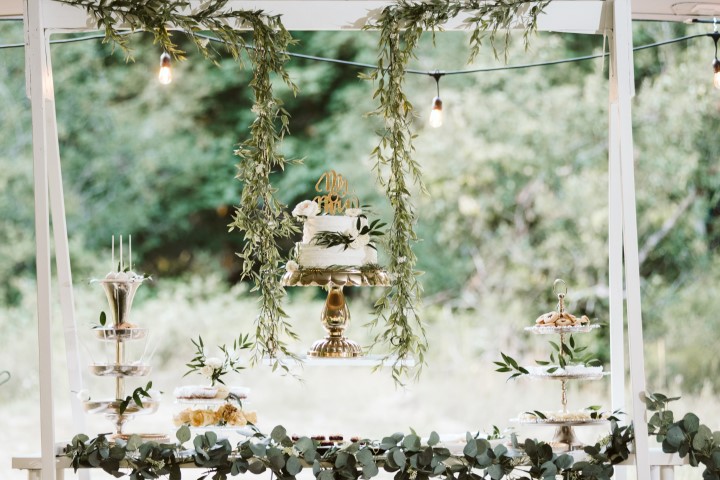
(336, 232)
(313, 253)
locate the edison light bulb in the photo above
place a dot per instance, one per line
(436, 115)
(716, 76)
(165, 73)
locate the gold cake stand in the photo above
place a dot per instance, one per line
(335, 315)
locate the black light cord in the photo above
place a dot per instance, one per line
(68, 40)
(410, 71)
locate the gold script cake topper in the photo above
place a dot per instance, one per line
(334, 194)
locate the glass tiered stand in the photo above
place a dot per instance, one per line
(564, 433)
(120, 288)
(336, 313)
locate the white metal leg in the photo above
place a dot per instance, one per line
(62, 260)
(36, 66)
(624, 86)
(615, 273)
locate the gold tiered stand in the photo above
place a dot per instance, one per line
(335, 315)
(565, 433)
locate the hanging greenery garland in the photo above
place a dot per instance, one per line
(260, 217)
(401, 25)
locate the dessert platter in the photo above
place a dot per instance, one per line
(120, 286)
(566, 363)
(215, 407)
(336, 251)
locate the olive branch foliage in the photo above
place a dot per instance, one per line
(561, 355)
(261, 217)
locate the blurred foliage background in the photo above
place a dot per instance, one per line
(517, 178)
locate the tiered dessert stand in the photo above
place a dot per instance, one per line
(209, 406)
(564, 433)
(120, 288)
(336, 313)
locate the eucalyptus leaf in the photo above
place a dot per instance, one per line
(293, 466)
(399, 457)
(370, 470)
(675, 436)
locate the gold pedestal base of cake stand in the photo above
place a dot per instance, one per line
(335, 316)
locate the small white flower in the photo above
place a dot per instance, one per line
(214, 362)
(306, 208)
(353, 212)
(207, 371)
(83, 395)
(401, 260)
(292, 266)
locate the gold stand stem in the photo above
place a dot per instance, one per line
(335, 318)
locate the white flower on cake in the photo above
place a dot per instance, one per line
(215, 367)
(292, 266)
(214, 362)
(360, 241)
(353, 212)
(306, 208)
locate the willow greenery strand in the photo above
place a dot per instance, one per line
(261, 218)
(401, 25)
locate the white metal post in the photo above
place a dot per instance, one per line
(623, 84)
(615, 261)
(36, 51)
(62, 257)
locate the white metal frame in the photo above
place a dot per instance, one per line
(611, 17)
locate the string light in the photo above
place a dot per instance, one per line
(715, 63)
(436, 114)
(165, 73)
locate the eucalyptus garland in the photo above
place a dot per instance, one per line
(401, 25)
(405, 454)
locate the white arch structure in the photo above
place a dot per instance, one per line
(610, 17)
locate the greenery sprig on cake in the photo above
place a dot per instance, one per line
(361, 236)
(214, 368)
